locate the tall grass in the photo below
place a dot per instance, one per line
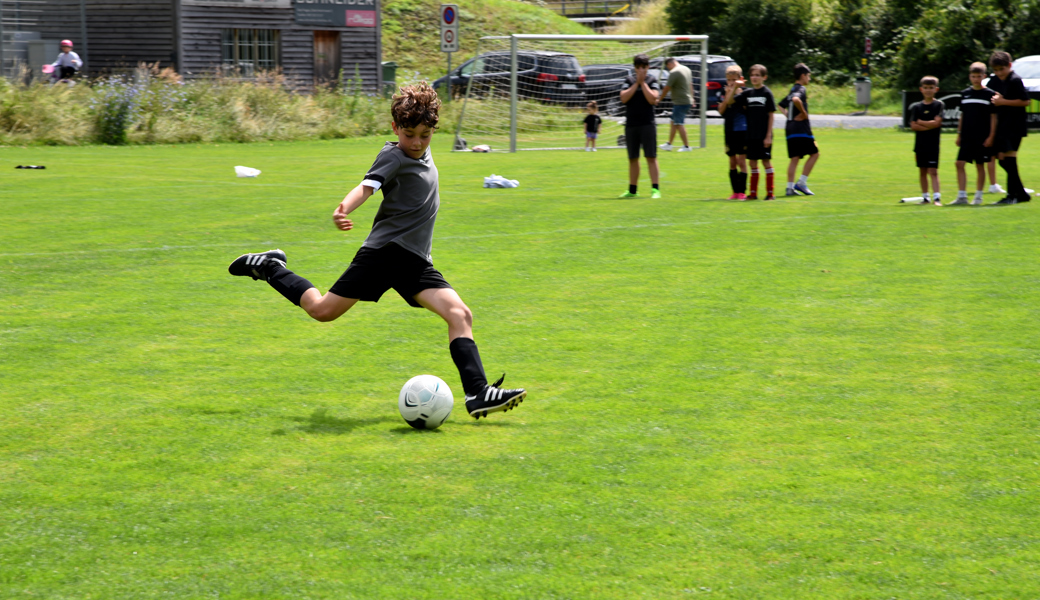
(652, 20)
(158, 107)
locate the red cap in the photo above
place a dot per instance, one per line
(66, 43)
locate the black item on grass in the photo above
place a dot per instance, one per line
(30, 167)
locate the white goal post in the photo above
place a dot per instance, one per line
(529, 91)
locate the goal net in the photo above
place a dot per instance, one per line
(529, 92)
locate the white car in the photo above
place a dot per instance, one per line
(1028, 68)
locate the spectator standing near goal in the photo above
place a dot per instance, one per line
(592, 124)
(680, 86)
(975, 132)
(926, 119)
(1011, 100)
(396, 253)
(800, 140)
(639, 94)
(759, 105)
(68, 62)
(735, 127)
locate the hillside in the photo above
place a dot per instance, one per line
(411, 36)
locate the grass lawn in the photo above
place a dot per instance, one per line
(827, 397)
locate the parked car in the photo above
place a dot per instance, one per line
(716, 75)
(1028, 68)
(554, 77)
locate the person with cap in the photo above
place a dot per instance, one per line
(68, 61)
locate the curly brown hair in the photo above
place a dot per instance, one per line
(416, 105)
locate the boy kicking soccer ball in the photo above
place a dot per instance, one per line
(926, 119)
(800, 140)
(975, 131)
(396, 253)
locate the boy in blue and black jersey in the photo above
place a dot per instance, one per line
(735, 122)
(800, 140)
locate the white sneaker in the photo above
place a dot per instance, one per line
(666, 147)
(685, 149)
(1028, 191)
(996, 189)
(593, 149)
(960, 200)
(977, 201)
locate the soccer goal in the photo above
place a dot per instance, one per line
(529, 92)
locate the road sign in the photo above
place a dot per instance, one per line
(449, 27)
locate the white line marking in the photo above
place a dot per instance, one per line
(480, 236)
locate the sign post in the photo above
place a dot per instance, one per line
(449, 37)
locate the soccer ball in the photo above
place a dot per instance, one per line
(425, 402)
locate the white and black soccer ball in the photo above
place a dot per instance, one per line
(425, 402)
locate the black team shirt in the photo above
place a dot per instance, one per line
(927, 141)
(592, 123)
(976, 107)
(1011, 120)
(797, 128)
(638, 110)
(758, 104)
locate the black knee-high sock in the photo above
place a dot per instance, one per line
(471, 370)
(1015, 187)
(741, 183)
(288, 284)
(733, 180)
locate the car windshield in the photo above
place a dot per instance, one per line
(604, 73)
(561, 65)
(1027, 69)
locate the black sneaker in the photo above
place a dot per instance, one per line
(1024, 198)
(1006, 200)
(252, 265)
(493, 399)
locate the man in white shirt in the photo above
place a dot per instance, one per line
(68, 61)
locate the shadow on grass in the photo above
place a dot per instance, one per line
(321, 422)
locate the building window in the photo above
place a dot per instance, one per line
(249, 50)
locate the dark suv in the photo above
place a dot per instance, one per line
(552, 77)
(716, 75)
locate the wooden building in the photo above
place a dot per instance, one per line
(309, 40)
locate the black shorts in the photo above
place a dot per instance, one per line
(974, 152)
(375, 270)
(736, 143)
(928, 158)
(1008, 143)
(641, 135)
(799, 147)
(756, 151)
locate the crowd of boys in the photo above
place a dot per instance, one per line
(991, 127)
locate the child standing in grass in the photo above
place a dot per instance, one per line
(759, 105)
(1011, 101)
(735, 127)
(926, 119)
(396, 253)
(800, 140)
(592, 125)
(975, 131)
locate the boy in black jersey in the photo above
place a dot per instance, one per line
(592, 125)
(1011, 100)
(735, 128)
(759, 106)
(396, 253)
(926, 119)
(975, 131)
(800, 140)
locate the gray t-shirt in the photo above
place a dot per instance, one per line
(679, 80)
(410, 200)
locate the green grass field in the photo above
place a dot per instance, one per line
(828, 397)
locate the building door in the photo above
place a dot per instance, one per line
(326, 57)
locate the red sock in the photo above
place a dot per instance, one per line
(754, 181)
(769, 181)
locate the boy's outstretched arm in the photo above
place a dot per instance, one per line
(355, 198)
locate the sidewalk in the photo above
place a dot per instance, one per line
(818, 121)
